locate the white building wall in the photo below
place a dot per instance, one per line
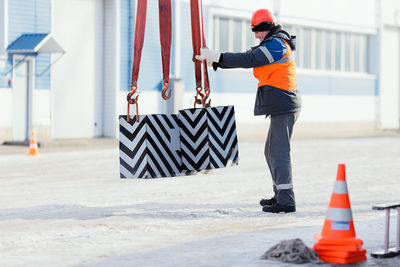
(41, 106)
(339, 12)
(337, 108)
(390, 71)
(99, 68)
(41, 118)
(389, 115)
(77, 80)
(390, 12)
(249, 5)
(360, 13)
(111, 69)
(6, 108)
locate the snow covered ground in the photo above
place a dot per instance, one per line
(70, 208)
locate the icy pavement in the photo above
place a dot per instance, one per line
(71, 209)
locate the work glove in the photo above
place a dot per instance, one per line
(209, 55)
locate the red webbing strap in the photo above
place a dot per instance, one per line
(196, 42)
(139, 38)
(206, 80)
(199, 40)
(165, 20)
(137, 54)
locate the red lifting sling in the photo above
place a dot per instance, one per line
(200, 98)
(165, 20)
(165, 40)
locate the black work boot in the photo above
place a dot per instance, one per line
(278, 208)
(267, 201)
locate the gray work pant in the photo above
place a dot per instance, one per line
(277, 154)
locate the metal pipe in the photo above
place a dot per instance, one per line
(398, 230)
(387, 225)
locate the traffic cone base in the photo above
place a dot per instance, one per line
(320, 246)
(343, 260)
(342, 254)
(33, 152)
(335, 241)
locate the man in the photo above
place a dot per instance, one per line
(277, 97)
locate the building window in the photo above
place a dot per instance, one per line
(328, 50)
(316, 49)
(232, 34)
(307, 51)
(319, 59)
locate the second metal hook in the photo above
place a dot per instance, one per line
(164, 94)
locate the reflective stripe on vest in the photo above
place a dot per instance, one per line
(280, 73)
(271, 58)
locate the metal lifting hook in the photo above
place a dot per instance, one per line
(130, 99)
(198, 100)
(132, 93)
(133, 100)
(207, 94)
(202, 100)
(205, 103)
(164, 94)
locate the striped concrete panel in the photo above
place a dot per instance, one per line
(224, 150)
(194, 139)
(208, 138)
(150, 148)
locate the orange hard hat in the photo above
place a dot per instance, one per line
(262, 15)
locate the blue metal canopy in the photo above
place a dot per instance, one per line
(35, 43)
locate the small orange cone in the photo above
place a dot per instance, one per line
(337, 243)
(33, 147)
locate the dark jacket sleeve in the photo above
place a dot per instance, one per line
(250, 59)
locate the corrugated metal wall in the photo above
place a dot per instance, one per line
(150, 74)
(127, 18)
(31, 16)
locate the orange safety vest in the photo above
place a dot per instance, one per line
(280, 74)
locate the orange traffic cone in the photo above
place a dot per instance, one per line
(337, 242)
(33, 147)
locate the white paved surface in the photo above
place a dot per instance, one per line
(70, 207)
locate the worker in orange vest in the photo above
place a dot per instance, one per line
(277, 97)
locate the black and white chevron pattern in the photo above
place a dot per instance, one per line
(208, 138)
(222, 136)
(172, 145)
(194, 139)
(149, 148)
